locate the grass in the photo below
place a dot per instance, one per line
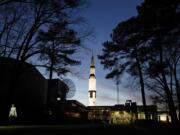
(90, 129)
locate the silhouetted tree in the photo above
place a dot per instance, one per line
(30, 17)
(11, 30)
(5, 2)
(57, 45)
(161, 19)
(148, 46)
(122, 53)
(25, 27)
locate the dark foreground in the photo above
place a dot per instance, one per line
(88, 129)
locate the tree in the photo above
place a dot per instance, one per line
(32, 17)
(161, 18)
(58, 44)
(26, 39)
(122, 53)
(166, 57)
(11, 30)
(5, 2)
(141, 45)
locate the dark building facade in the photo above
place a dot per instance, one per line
(75, 109)
(23, 85)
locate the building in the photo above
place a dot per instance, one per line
(121, 114)
(24, 87)
(75, 109)
(117, 114)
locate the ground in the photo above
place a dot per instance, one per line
(88, 129)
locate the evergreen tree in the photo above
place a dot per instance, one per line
(148, 46)
(122, 53)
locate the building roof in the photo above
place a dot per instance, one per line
(75, 106)
(122, 107)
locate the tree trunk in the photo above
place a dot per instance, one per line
(50, 84)
(142, 91)
(177, 90)
(141, 80)
(172, 110)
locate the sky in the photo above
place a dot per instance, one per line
(103, 16)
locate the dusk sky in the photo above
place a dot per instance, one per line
(103, 16)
